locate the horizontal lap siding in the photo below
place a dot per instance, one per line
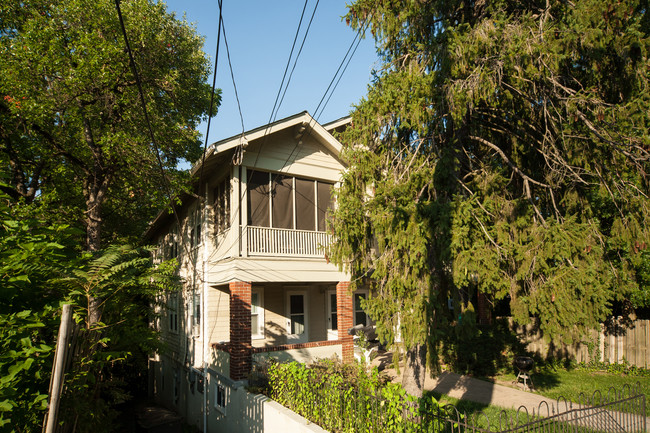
(282, 153)
(274, 317)
(317, 314)
(218, 315)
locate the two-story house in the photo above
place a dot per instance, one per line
(250, 246)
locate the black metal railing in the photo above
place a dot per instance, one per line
(353, 411)
(619, 411)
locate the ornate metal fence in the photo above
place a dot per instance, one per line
(618, 411)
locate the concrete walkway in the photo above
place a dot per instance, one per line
(487, 393)
(481, 391)
(469, 388)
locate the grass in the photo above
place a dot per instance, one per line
(549, 382)
(554, 383)
(477, 414)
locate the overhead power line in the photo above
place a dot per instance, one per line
(214, 84)
(295, 62)
(293, 46)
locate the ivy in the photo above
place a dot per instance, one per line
(348, 398)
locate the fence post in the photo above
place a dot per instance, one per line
(56, 384)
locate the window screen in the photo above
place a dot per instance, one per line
(305, 204)
(282, 201)
(324, 203)
(258, 198)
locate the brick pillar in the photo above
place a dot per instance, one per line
(484, 313)
(344, 311)
(240, 330)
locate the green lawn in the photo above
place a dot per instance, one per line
(477, 413)
(551, 383)
(554, 383)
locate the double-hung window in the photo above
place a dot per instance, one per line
(257, 314)
(195, 228)
(172, 306)
(222, 206)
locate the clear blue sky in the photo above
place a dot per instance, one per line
(260, 34)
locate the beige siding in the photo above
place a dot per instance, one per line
(283, 153)
(218, 314)
(275, 299)
(317, 314)
(174, 341)
(274, 316)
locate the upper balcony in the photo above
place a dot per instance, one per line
(274, 215)
(267, 241)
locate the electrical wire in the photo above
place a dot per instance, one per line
(295, 38)
(334, 81)
(340, 66)
(232, 76)
(214, 85)
(297, 56)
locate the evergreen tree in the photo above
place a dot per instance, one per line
(502, 147)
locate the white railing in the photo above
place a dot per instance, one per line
(265, 241)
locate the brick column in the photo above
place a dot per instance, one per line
(240, 330)
(344, 311)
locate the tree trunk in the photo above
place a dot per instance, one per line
(415, 370)
(95, 192)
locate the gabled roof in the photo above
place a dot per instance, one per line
(322, 133)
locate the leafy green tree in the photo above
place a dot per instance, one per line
(41, 267)
(30, 254)
(503, 147)
(128, 284)
(73, 130)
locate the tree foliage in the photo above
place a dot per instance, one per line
(41, 267)
(503, 147)
(29, 254)
(75, 148)
(73, 130)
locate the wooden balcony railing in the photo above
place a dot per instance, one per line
(265, 241)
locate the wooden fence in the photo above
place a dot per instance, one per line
(613, 343)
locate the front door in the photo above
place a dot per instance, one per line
(297, 317)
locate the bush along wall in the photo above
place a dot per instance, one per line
(342, 397)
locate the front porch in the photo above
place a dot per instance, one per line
(285, 322)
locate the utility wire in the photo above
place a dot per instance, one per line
(297, 56)
(339, 68)
(232, 76)
(214, 84)
(295, 38)
(166, 183)
(346, 60)
(316, 115)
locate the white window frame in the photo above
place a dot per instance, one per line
(258, 334)
(354, 309)
(196, 228)
(332, 333)
(221, 404)
(297, 338)
(173, 313)
(196, 306)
